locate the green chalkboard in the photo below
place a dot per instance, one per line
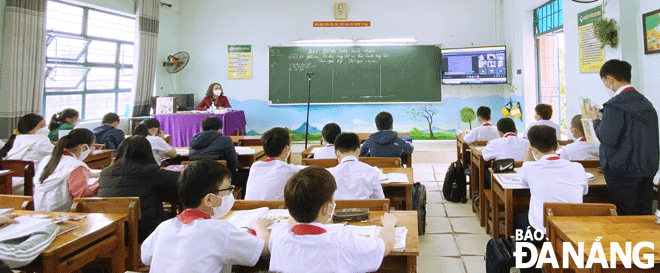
(355, 74)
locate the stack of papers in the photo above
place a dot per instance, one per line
(182, 151)
(243, 219)
(316, 150)
(509, 180)
(3, 211)
(400, 233)
(4, 171)
(26, 226)
(394, 178)
(245, 150)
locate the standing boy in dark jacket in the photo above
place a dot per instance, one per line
(108, 134)
(385, 142)
(211, 143)
(628, 134)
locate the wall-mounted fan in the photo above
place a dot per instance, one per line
(176, 62)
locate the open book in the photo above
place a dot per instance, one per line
(587, 120)
(392, 177)
(243, 219)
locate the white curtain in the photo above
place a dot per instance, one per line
(145, 63)
(23, 62)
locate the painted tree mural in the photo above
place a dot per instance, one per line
(426, 112)
(468, 115)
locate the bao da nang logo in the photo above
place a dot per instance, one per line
(604, 254)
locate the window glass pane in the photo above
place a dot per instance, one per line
(63, 17)
(124, 104)
(64, 78)
(101, 52)
(97, 105)
(65, 49)
(101, 24)
(126, 54)
(101, 78)
(56, 103)
(126, 78)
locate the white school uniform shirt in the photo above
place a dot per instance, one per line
(159, 147)
(544, 122)
(508, 146)
(53, 194)
(203, 245)
(356, 180)
(328, 252)
(28, 148)
(581, 149)
(485, 132)
(267, 179)
(325, 152)
(551, 179)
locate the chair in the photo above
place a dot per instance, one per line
(122, 205)
(249, 142)
(486, 201)
(323, 163)
(223, 162)
(382, 162)
(572, 209)
(16, 202)
(589, 163)
(371, 204)
(23, 169)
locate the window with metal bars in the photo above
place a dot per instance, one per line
(549, 17)
(89, 61)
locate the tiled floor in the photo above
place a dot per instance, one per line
(454, 242)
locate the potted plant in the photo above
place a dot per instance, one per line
(606, 32)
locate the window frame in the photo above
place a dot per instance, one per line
(553, 15)
(52, 63)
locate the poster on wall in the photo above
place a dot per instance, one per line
(592, 56)
(239, 62)
(651, 32)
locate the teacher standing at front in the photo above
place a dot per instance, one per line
(628, 134)
(214, 96)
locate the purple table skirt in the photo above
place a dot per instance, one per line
(182, 127)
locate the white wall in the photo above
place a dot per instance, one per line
(168, 44)
(2, 28)
(207, 27)
(649, 64)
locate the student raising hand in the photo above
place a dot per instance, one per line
(387, 234)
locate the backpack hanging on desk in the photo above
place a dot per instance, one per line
(503, 165)
(454, 187)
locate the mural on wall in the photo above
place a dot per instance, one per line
(422, 121)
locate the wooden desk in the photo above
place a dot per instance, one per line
(244, 160)
(461, 147)
(405, 158)
(307, 152)
(97, 234)
(518, 199)
(479, 166)
(5, 183)
(405, 261)
(399, 191)
(621, 229)
(100, 160)
(235, 139)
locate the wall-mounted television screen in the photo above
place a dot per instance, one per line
(474, 65)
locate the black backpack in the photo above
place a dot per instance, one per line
(419, 204)
(499, 255)
(454, 187)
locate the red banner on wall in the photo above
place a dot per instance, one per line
(342, 24)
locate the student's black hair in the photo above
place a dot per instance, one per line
(619, 70)
(347, 142)
(199, 179)
(211, 123)
(506, 125)
(330, 132)
(143, 128)
(543, 138)
(57, 119)
(274, 141)
(576, 123)
(307, 191)
(384, 121)
(26, 124)
(483, 112)
(72, 139)
(544, 110)
(135, 149)
(110, 118)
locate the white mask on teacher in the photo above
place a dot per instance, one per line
(217, 92)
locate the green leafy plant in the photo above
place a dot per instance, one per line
(468, 115)
(606, 32)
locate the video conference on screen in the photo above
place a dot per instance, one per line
(474, 66)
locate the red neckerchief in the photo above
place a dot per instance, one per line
(304, 229)
(554, 157)
(509, 134)
(628, 89)
(582, 139)
(189, 215)
(330, 145)
(272, 159)
(486, 124)
(67, 153)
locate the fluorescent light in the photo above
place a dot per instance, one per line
(392, 40)
(323, 41)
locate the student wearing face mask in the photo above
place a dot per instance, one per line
(627, 128)
(65, 120)
(150, 128)
(28, 143)
(214, 96)
(62, 176)
(267, 178)
(196, 240)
